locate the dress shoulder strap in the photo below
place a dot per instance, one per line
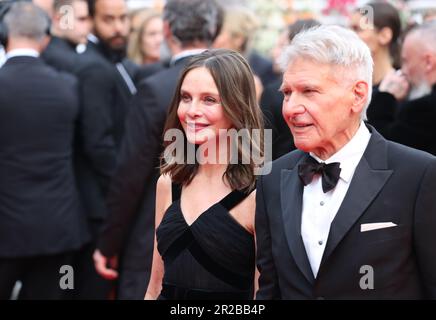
(176, 191)
(234, 198)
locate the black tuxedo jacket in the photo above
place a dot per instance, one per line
(392, 183)
(40, 211)
(132, 194)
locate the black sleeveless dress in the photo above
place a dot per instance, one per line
(212, 259)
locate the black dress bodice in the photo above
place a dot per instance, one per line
(213, 258)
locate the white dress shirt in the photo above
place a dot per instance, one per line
(185, 54)
(22, 53)
(319, 208)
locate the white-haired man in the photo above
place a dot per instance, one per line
(349, 215)
(414, 124)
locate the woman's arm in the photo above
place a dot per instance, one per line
(163, 201)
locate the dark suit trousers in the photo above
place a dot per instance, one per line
(39, 276)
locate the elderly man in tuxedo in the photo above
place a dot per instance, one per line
(349, 215)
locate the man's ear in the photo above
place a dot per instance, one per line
(360, 92)
(430, 62)
(385, 36)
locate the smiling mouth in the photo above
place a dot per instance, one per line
(300, 125)
(196, 126)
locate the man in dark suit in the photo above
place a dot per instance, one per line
(41, 218)
(94, 119)
(114, 80)
(70, 29)
(349, 215)
(190, 26)
(413, 124)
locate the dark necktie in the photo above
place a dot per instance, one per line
(329, 172)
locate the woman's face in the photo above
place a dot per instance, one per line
(366, 31)
(152, 38)
(200, 111)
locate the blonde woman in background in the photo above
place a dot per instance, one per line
(237, 33)
(146, 37)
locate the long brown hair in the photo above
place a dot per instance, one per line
(235, 83)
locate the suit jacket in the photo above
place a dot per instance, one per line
(95, 151)
(61, 55)
(107, 87)
(132, 194)
(40, 211)
(392, 183)
(413, 125)
(271, 104)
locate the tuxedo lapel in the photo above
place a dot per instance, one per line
(291, 195)
(369, 178)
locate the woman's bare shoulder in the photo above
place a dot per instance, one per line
(164, 183)
(163, 191)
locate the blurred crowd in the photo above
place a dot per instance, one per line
(84, 91)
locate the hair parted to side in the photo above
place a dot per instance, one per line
(333, 45)
(26, 20)
(194, 20)
(235, 83)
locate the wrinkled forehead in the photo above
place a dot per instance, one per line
(308, 70)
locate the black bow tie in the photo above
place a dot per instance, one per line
(330, 173)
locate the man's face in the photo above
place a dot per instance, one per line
(413, 66)
(111, 23)
(319, 106)
(82, 23)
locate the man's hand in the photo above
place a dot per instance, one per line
(104, 266)
(396, 84)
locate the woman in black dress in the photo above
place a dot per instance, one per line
(205, 203)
